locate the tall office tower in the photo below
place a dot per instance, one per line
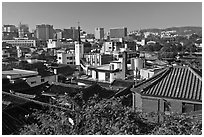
(75, 33)
(71, 33)
(23, 30)
(44, 32)
(67, 34)
(99, 33)
(118, 32)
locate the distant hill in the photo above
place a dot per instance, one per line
(180, 30)
(186, 30)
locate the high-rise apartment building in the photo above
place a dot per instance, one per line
(71, 33)
(118, 32)
(9, 32)
(44, 32)
(67, 34)
(23, 30)
(99, 33)
(9, 28)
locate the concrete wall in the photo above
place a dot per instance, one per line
(101, 76)
(50, 79)
(34, 81)
(107, 47)
(79, 52)
(151, 104)
(116, 75)
(117, 65)
(93, 73)
(65, 58)
(137, 102)
(52, 44)
(145, 73)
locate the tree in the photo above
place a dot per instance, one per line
(178, 124)
(107, 117)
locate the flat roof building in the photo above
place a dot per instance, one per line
(99, 33)
(22, 42)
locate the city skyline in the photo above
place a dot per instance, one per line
(133, 15)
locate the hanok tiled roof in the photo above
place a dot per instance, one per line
(177, 82)
(58, 89)
(26, 89)
(96, 89)
(122, 83)
(65, 70)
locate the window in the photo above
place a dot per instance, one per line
(42, 80)
(59, 57)
(187, 107)
(167, 107)
(33, 82)
(197, 107)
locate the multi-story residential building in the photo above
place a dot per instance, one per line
(9, 32)
(117, 33)
(66, 57)
(53, 43)
(8, 50)
(22, 42)
(67, 34)
(97, 59)
(71, 33)
(109, 47)
(9, 28)
(44, 32)
(110, 71)
(99, 33)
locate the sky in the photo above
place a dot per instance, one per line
(133, 15)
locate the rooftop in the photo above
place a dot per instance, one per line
(18, 73)
(104, 68)
(176, 82)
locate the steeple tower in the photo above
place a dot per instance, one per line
(79, 50)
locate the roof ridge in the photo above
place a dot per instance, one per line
(195, 73)
(153, 77)
(159, 79)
